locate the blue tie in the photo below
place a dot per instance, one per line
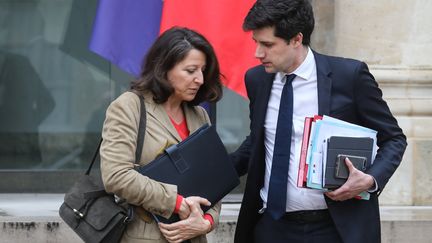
(276, 199)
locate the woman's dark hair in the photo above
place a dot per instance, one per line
(169, 49)
(289, 17)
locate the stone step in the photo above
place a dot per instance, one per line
(34, 217)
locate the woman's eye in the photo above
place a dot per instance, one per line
(190, 71)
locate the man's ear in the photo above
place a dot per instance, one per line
(297, 40)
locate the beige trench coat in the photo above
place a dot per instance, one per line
(118, 155)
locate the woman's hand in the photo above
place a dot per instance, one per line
(188, 228)
(185, 211)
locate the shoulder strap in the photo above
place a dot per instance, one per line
(94, 157)
(140, 139)
(141, 130)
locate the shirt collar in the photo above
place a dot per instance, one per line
(306, 68)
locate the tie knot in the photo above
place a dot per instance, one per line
(290, 78)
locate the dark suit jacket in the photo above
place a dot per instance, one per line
(347, 91)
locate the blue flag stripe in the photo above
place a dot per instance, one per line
(124, 30)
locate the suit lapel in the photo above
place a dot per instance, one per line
(262, 97)
(324, 84)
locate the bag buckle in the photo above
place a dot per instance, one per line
(78, 213)
(130, 215)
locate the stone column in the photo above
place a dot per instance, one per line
(395, 39)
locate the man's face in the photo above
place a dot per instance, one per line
(275, 54)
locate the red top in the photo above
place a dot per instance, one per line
(181, 128)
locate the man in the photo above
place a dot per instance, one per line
(315, 84)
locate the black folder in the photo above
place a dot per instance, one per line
(199, 166)
(357, 149)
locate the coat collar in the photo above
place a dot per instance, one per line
(158, 112)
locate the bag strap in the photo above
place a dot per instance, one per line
(94, 157)
(141, 130)
(140, 140)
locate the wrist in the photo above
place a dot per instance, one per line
(374, 187)
(178, 204)
(370, 181)
(209, 222)
(208, 226)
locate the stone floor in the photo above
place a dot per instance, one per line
(35, 217)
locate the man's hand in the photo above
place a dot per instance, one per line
(356, 183)
(188, 228)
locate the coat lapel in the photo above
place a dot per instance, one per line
(158, 112)
(193, 120)
(324, 84)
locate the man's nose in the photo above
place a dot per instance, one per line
(259, 53)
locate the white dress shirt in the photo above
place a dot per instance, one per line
(305, 104)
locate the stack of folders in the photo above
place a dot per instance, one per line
(326, 143)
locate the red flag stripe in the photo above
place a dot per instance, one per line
(221, 23)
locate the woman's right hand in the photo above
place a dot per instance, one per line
(185, 210)
(188, 228)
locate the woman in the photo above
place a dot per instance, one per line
(180, 71)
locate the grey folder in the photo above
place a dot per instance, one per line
(356, 147)
(199, 166)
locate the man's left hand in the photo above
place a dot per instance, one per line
(356, 183)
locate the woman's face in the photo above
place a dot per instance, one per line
(187, 76)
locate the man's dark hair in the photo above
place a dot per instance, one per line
(169, 49)
(289, 17)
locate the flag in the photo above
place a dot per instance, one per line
(124, 30)
(138, 22)
(221, 23)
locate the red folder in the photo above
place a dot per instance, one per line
(305, 144)
(303, 167)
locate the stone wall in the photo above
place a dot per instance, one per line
(395, 39)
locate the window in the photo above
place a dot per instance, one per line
(54, 93)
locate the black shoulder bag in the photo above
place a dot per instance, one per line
(94, 214)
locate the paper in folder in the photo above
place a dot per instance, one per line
(199, 166)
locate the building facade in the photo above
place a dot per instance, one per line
(54, 91)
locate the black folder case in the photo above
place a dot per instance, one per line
(199, 166)
(348, 146)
